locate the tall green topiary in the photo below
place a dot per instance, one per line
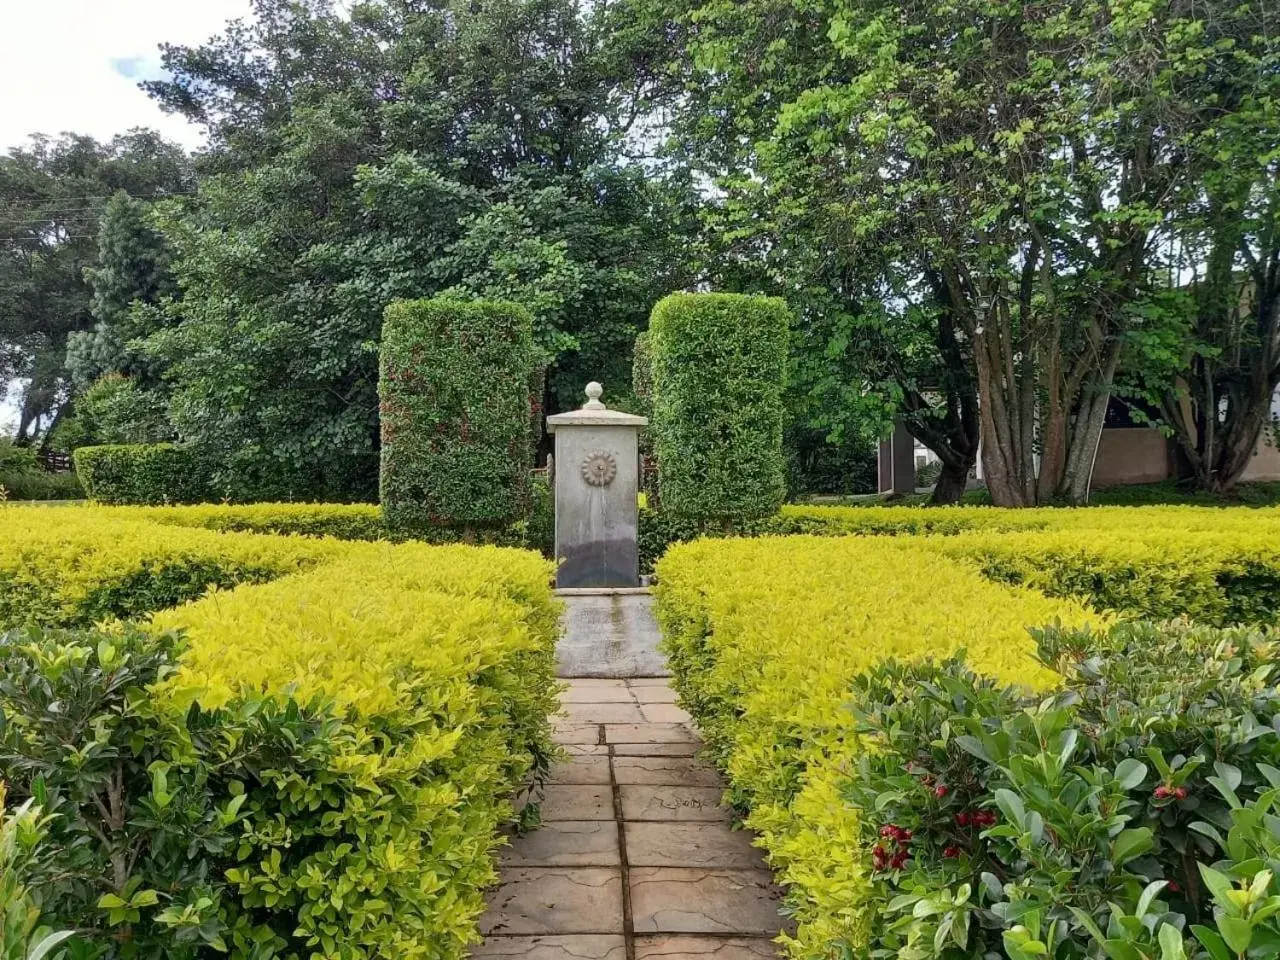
(642, 387)
(456, 426)
(719, 371)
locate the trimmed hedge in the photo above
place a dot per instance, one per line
(766, 637)
(719, 372)
(457, 435)
(141, 473)
(375, 705)
(74, 566)
(642, 387)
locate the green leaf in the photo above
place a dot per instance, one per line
(1130, 773)
(40, 950)
(1010, 805)
(1130, 843)
(1212, 942)
(1148, 896)
(1237, 932)
(1171, 945)
(109, 901)
(1217, 883)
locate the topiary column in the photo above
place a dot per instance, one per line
(457, 439)
(719, 371)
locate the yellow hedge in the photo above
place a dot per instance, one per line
(765, 638)
(431, 670)
(70, 566)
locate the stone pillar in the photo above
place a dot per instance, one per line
(897, 462)
(596, 482)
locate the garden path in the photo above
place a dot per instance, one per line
(636, 858)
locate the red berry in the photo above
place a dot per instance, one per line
(888, 830)
(1174, 887)
(1161, 792)
(1180, 793)
(951, 853)
(905, 836)
(962, 818)
(940, 791)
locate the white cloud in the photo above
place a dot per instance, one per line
(74, 65)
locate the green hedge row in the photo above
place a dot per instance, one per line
(143, 473)
(719, 372)
(457, 433)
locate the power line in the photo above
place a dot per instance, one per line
(107, 196)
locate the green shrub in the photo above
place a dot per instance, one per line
(993, 822)
(141, 474)
(456, 419)
(145, 817)
(318, 765)
(116, 410)
(39, 484)
(642, 387)
(22, 843)
(719, 372)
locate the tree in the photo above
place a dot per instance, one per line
(52, 194)
(401, 152)
(1213, 371)
(132, 271)
(1015, 162)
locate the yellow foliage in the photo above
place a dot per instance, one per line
(766, 638)
(432, 666)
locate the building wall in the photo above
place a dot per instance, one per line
(1142, 455)
(1265, 464)
(1131, 455)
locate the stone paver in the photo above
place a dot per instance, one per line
(555, 900)
(664, 713)
(664, 771)
(577, 803)
(714, 948)
(677, 900)
(667, 844)
(583, 947)
(605, 713)
(589, 769)
(654, 749)
(649, 733)
(635, 858)
(566, 843)
(610, 636)
(641, 802)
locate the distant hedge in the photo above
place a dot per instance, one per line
(141, 473)
(719, 371)
(457, 436)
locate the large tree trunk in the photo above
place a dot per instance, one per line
(952, 482)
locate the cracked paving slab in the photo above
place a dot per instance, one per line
(636, 858)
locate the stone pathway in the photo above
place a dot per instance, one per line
(635, 858)
(610, 635)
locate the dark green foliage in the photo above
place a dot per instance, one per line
(456, 423)
(22, 477)
(719, 373)
(141, 473)
(40, 485)
(642, 387)
(115, 409)
(146, 807)
(52, 194)
(1123, 788)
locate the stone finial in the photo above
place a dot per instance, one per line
(594, 392)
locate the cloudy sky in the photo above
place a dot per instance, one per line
(74, 65)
